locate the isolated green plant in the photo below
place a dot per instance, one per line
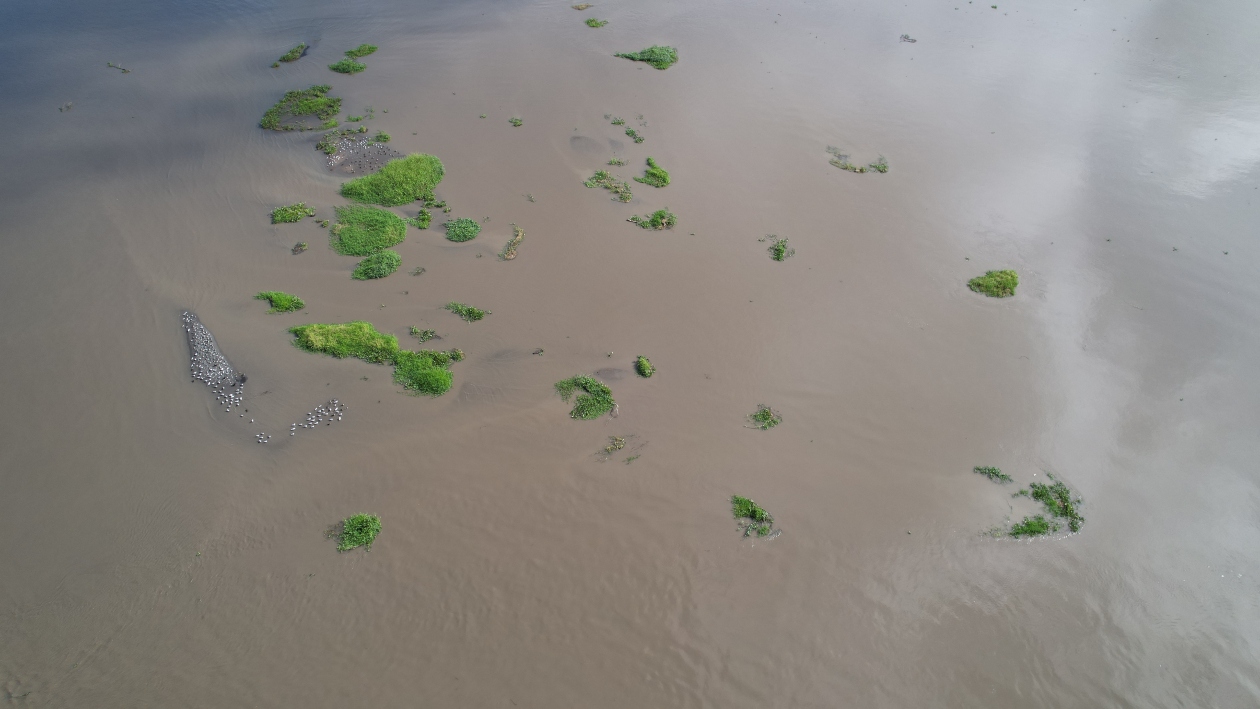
(305, 102)
(423, 335)
(765, 418)
(378, 265)
(660, 219)
(619, 188)
(759, 521)
(421, 220)
(995, 284)
(994, 474)
(381, 137)
(400, 181)
(616, 161)
(362, 230)
(634, 135)
(358, 531)
(361, 51)
(294, 54)
(656, 55)
(592, 22)
(280, 301)
(643, 366)
(779, 250)
(462, 229)
(467, 312)
(515, 121)
(655, 175)
(594, 401)
(347, 66)
(291, 213)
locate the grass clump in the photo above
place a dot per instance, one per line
(305, 102)
(462, 229)
(299, 247)
(660, 219)
(594, 401)
(992, 473)
(841, 160)
(421, 220)
(656, 55)
(401, 181)
(291, 213)
(361, 231)
(643, 366)
(592, 22)
(616, 161)
(293, 54)
(280, 301)
(779, 250)
(765, 418)
(1034, 526)
(423, 335)
(654, 175)
(358, 531)
(995, 284)
(361, 51)
(516, 122)
(509, 250)
(634, 135)
(619, 188)
(1058, 501)
(753, 518)
(378, 265)
(347, 66)
(425, 371)
(381, 137)
(467, 312)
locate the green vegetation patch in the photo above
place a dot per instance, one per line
(992, 473)
(423, 335)
(594, 401)
(330, 142)
(294, 54)
(656, 55)
(358, 531)
(654, 175)
(634, 135)
(616, 161)
(841, 160)
(467, 312)
(592, 22)
(516, 121)
(1058, 500)
(401, 181)
(378, 265)
(421, 220)
(280, 301)
(779, 249)
(752, 518)
(362, 231)
(660, 219)
(425, 371)
(361, 51)
(347, 66)
(1034, 526)
(995, 284)
(462, 229)
(765, 418)
(619, 188)
(643, 366)
(291, 213)
(305, 102)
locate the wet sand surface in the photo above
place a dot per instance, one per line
(155, 555)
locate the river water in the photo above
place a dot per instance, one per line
(156, 555)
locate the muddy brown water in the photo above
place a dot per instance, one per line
(154, 555)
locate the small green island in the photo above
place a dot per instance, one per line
(401, 181)
(303, 102)
(752, 518)
(595, 398)
(362, 231)
(655, 175)
(995, 284)
(291, 213)
(281, 302)
(358, 531)
(422, 371)
(378, 265)
(658, 56)
(660, 219)
(349, 65)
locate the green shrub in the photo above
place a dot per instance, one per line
(462, 229)
(361, 51)
(765, 418)
(995, 284)
(660, 219)
(347, 66)
(619, 188)
(425, 371)
(592, 22)
(294, 54)
(401, 181)
(381, 137)
(654, 175)
(467, 312)
(291, 213)
(361, 231)
(994, 474)
(281, 302)
(779, 250)
(658, 56)
(307, 102)
(358, 531)
(643, 366)
(594, 401)
(378, 265)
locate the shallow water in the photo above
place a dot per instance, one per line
(156, 555)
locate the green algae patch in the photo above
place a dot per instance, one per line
(358, 531)
(644, 366)
(462, 229)
(752, 518)
(656, 55)
(594, 401)
(995, 284)
(655, 175)
(660, 219)
(291, 213)
(280, 301)
(362, 231)
(467, 312)
(424, 371)
(305, 102)
(765, 418)
(293, 54)
(401, 181)
(619, 188)
(378, 265)
(992, 473)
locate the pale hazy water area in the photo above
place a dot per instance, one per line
(155, 555)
